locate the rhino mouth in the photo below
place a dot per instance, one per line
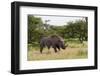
(65, 46)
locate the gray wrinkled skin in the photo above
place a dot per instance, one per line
(55, 42)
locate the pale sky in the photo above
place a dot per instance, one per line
(58, 20)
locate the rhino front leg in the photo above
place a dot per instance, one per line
(58, 48)
(55, 49)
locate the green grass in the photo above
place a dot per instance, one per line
(77, 45)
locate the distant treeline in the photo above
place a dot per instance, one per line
(37, 29)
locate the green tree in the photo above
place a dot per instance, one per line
(35, 25)
(77, 29)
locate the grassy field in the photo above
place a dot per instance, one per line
(75, 50)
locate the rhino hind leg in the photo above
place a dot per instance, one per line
(41, 49)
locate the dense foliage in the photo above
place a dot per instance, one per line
(37, 29)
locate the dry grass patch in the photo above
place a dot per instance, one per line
(69, 53)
